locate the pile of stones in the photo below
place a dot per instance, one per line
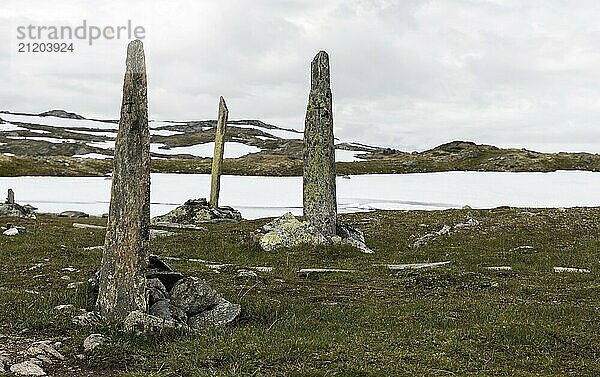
(35, 358)
(195, 212)
(11, 230)
(177, 302)
(11, 209)
(288, 231)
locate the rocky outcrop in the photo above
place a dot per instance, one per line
(288, 231)
(197, 211)
(61, 114)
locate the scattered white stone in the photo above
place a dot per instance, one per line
(63, 307)
(43, 360)
(11, 232)
(570, 269)
(87, 226)
(31, 292)
(91, 248)
(179, 226)
(69, 269)
(415, 266)
(430, 236)
(308, 271)
(86, 319)
(262, 269)
(500, 268)
(35, 266)
(27, 368)
(74, 284)
(525, 247)
(45, 348)
(156, 233)
(93, 341)
(246, 274)
(468, 224)
(65, 277)
(216, 268)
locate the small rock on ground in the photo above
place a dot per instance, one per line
(93, 341)
(27, 368)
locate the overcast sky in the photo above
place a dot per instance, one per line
(406, 74)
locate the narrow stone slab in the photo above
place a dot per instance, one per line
(158, 233)
(319, 190)
(262, 269)
(122, 275)
(499, 268)
(414, 266)
(308, 271)
(571, 269)
(88, 226)
(91, 248)
(178, 226)
(217, 162)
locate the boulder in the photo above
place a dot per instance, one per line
(75, 214)
(93, 341)
(155, 291)
(288, 231)
(194, 296)
(27, 368)
(166, 310)
(86, 319)
(221, 314)
(142, 323)
(198, 211)
(11, 232)
(158, 269)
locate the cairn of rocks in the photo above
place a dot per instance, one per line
(11, 209)
(195, 212)
(176, 302)
(319, 191)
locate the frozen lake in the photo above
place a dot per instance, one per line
(259, 197)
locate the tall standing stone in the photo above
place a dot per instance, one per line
(217, 162)
(320, 207)
(10, 199)
(122, 274)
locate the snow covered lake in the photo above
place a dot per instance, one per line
(259, 197)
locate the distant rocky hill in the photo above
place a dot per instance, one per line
(59, 142)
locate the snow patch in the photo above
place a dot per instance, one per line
(232, 150)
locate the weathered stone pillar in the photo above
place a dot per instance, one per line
(320, 207)
(217, 162)
(10, 199)
(122, 274)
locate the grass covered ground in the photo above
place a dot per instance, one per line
(461, 319)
